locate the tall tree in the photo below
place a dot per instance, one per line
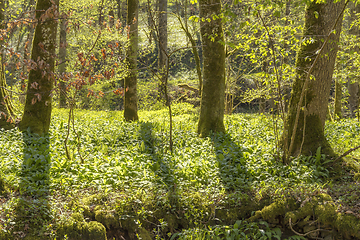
(213, 93)
(62, 59)
(6, 112)
(353, 83)
(130, 103)
(163, 38)
(314, 69)
(37, 111)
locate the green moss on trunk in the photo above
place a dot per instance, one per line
(6, 113)
(213, 92)
(130, 102)
(37, 112)
(309, 135)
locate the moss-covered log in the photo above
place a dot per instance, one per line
(37, 111)
(76, 228)
(309, 134)
(130, 102)
(213, 92)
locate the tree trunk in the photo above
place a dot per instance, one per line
(338, 96)
(213, 94)
(309, 134)
(121, 10)
(353, 85)
(62, 59)
(6, 113)
(163, 37)
(27, 49)
(130, 104)
(353, 88)
(37, 112)
(287, 90)
(111, 18)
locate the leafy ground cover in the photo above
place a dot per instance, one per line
(131, 185)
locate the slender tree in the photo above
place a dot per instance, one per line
(37, 111)
(62, 59)
(311, 88)
(353, 82)
(130, 103)
(6, 112)
(213, 93)
(338, 96)
(163, 38)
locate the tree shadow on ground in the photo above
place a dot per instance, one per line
(235, 177)
(32, 209)
(232, 163)
(191, 207)
(160, 156)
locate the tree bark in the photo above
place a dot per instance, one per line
(37, 111)
(353, 88)
(338, 96)
(353, 82)
(6, 113)
(163, 37)
(27, 49)
(309, 134)
(62, 59)
(213, 93)
(130, 101)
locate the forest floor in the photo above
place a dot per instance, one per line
(119, 180)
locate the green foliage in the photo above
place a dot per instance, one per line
(129, 166)
(241, 230)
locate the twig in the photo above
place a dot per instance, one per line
(345, 154)
(305, 234)
(71, 113)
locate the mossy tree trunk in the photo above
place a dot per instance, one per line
(62, 59)
(37, 111)
(6, 113)
(353, 82)
(309, 134)
(130, 101)
(213, 93)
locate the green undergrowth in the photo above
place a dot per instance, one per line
(131, 185)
